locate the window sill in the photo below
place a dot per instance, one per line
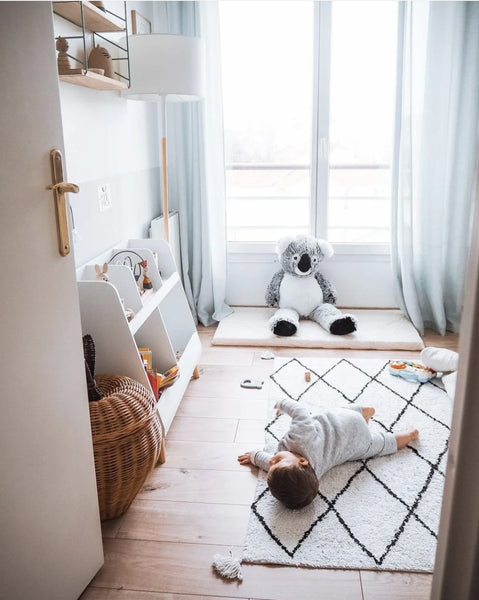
(266, 251)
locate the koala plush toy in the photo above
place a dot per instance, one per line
(300, 290)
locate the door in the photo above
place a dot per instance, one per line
(456, 572)
(50, 536)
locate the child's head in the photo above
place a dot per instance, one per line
(291, 479)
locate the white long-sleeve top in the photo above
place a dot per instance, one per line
(328, 438)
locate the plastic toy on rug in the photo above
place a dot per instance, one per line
(411, 371)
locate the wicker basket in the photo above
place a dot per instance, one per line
(127, 437)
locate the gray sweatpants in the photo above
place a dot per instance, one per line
(382, 442)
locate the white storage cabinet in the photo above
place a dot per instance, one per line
(163, 321)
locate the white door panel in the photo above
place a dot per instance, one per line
(49, 522)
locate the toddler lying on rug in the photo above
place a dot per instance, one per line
(316, 443)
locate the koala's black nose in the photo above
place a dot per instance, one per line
(304, 263)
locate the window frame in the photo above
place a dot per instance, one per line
(320, 165)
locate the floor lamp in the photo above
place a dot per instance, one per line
(165, 68)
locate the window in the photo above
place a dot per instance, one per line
(267, 53)
(305, 152)
(361, 117)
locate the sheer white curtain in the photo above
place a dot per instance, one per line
(436, 149)
(196, 174)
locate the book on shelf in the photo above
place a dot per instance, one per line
(146, 356)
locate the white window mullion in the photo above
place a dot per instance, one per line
(320, 137)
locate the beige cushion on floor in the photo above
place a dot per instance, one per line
(378, 329)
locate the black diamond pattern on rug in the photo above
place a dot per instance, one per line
(408, 504)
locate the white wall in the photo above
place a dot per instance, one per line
(110, 140)
(361, 280)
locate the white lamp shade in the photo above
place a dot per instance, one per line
(165, 65)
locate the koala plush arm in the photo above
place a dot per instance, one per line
(330, 295)
(272, 291)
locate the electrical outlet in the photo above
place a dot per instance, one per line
(104, 197)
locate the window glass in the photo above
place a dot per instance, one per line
(267, 50)
(267, 61)
(362, 96)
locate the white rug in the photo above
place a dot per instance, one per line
(382, 513)
(377, 329)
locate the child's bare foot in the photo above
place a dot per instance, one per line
(403, 439)
(367, 412)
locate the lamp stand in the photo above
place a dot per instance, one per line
(164, 192)
(164, 170)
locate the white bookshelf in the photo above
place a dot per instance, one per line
(163, 321)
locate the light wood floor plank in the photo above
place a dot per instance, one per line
(186, 569)
(188, 522)
(220, 381)
(384, 585)
(250, 431)
(93, 593)
(111, 527)
(201, 429)
(182, 454)
(190, 485)
(235, 356)
(244, 408)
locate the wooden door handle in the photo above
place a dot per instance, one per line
(60, 188)
(64, 187)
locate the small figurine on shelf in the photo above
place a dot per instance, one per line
(99, 58)
(63, 61)
(147, 285)
(102, 272)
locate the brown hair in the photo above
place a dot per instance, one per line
(295, 486)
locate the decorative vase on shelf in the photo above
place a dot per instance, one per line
(99, 58)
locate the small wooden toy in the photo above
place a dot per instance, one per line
(307, 376)
(63, 61)
(99, 58)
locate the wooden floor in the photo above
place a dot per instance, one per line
(197, 503)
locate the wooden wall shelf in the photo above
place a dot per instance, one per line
(94, 80)
(95, 19)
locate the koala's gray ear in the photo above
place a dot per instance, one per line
(283, 243)
(325, 248)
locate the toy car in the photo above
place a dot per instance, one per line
(411, 371)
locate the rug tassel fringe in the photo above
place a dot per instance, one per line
(228, 566)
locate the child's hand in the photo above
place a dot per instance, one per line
(278, 410)
(245, 459)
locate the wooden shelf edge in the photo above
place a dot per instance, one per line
(93, 80)
(171, 397)
(95, 19)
